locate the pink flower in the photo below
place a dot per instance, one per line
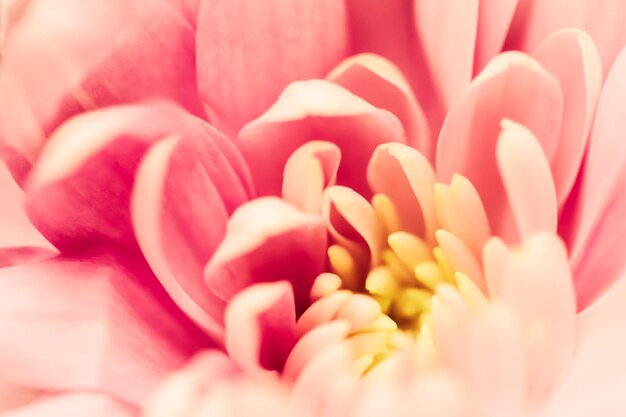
(429, 225)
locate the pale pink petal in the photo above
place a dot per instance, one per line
(269, 240)
(316, 110)
(602, 19)
(491, 361)
(468, 138)
(183, 392)
(74, 404)
(243, 41)
(13, 396)
(381, 83)
(351, 221)
(572, 57)
(494, 18)
(461, 257)
(539, 271)
(407, 178)
(600, 231)
(72, 324)
(465, 215)
(322, 311)
(447, 32)
(596, 380)
(260, 327)
(308, 171)
(15, 227)
(527, 180)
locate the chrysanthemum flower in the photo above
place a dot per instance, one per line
(335, 208)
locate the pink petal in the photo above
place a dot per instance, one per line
(539, 271)
(244, 41)
(268, 240)
(260, 327)
(602, 19)
(599, 233)
(512, 86)
(74, 404)
(70, 324)
(314, 110)
(15, 227)
(461, 258)
(309, 170)
(572, 57)
(381, 83)
(447, 31)
(407, 178)
(24, 254)
(527, 180)
(183, 193)
(79, 193)
(596, 379)
(87, 75)
(494, 18)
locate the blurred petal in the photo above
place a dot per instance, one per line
(244, 41)
(314, 110)
(69, 324)
(572, 57)
(74, 404)
(268, 240)
(600, 233)
(468, 138)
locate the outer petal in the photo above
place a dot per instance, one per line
(596, 379)
(536, 19)
(70, 324)
(494, 18)
(314, 110)
(244, 41)
(268, 240)
(600, 232)
(15, 228)
(447, 31)
(572, 57)
(75, 404)
(512, 86)
(47, 79)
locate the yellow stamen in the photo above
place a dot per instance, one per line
(446, 269)
(386, 213)
(410, 249)
(429, 274)
(343, 264)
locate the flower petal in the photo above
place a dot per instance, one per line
(494, 18)
(74, 404)
(512, 86)
(447, 31)
(572, 57)
(600, 232)
(243, 41)
(381, 83)
(268, 240)
(76, 324)
(260, 327)
(314, 110)
(527, 180)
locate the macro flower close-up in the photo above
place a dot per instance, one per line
(316, 208)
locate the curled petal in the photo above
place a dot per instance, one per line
(314, 110)
(268, 240)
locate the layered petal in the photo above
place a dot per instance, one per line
(268, 240)
(599, 230)
(244, 41)
(47, 79)
(314, 110)
(467, 140)
(494, 18)
(83, 324)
